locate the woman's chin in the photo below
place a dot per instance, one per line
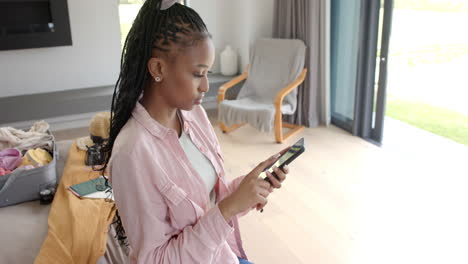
(188, 107)
(191, 105)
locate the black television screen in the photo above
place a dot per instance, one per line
(34, 24)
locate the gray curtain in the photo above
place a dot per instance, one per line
(308, 20)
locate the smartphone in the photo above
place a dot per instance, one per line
(290, 155)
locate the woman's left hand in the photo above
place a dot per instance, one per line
(280, 174)
(275, 182)
(280, 177)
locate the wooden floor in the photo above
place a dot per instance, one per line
(348, 201)
(311, 219)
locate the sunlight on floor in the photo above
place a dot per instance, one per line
(348, 201)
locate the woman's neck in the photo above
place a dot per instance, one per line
(160, 111)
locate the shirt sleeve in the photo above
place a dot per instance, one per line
(145, 217)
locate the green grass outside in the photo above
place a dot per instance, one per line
(434, 119)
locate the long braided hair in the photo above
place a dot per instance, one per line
(152, 28)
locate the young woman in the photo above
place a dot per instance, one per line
(174, 203)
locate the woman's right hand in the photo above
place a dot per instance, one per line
(251, 191)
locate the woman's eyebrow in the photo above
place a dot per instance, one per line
(202, 66)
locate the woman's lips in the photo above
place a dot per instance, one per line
(199, 100)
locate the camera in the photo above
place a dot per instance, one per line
(94, 156)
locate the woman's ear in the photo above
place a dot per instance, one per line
(156, 68)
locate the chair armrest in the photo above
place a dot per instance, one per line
(222, 90)
(281, 94)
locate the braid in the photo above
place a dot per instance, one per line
(152, 29)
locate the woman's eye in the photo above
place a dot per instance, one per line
(200, 75)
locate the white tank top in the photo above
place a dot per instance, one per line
(201, 163)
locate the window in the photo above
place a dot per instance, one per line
(128, 10)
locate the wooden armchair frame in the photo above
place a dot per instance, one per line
(279, 124)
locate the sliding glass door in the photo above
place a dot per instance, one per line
(360, 32)
(344, 42)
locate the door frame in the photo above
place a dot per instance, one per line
(366, 123)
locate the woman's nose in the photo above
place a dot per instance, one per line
(204, 85)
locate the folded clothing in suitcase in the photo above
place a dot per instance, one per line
(25, 185)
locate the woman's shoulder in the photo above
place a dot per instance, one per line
(131, 139)
(131, 149)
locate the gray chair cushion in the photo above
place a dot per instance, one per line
(274, 64)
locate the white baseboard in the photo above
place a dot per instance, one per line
(58, 123)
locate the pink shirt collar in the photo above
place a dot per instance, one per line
(154, 127)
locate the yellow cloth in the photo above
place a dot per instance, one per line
(36, 157)
(77, 227)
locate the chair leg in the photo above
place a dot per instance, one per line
(279, 127)
(279, 124)
(229, 129)
(294, 130)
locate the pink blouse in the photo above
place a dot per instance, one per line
(162, 200)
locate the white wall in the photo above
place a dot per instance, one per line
(93, 60)
(237, 23)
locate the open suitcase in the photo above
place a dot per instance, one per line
(26, 185)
